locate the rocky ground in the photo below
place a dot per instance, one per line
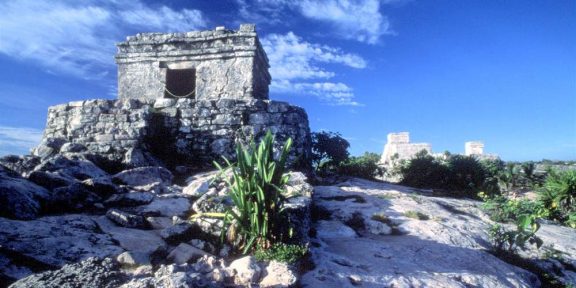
(371, 234)
(66, 222)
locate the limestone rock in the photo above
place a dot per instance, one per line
(90, 273)
(247, 270)
(144, 176)
(165, 206)
(75, 167)
(126, 219)
(132, 240)
(278, 274)
(50, 180)
(131, 258)
(22, 165)
(180, 233)
(129, 199)
(20, 198)
(184, 253)
(51, 242)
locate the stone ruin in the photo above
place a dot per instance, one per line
(184, 99)
(398, 147)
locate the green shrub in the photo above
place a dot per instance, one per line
(509, 241)
(258, 216)
(287, 253)
(558, 195)
(424, 171)
(502, 209)
(416, 215)
(365, 166)
(329, 149)
(465, 175)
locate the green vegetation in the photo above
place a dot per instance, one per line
(509, 241)
(416, 215)
(288, 253)
(457, 174)
(258, 217)
(329, 149)
(365, 166)
(330, 156)
(556, 201)
(558, 196)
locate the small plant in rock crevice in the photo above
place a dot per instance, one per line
(509, 241)
(287, 253)
(258, 217)
(416, 215)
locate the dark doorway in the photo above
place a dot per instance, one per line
(180, 83)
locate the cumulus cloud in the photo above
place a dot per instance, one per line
(295, 67)
(77, 37)
(18, 140)
(359, 20)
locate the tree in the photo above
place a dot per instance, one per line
(365, 166)
(329, 149)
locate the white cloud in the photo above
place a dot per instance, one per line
(294, 66)
(78, 37)
(360, 20)
(17, 140)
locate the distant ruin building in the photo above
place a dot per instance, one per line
(183, 99)
(473, 148)
(398, 147)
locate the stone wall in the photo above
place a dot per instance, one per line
(174, 131)
(227, 63)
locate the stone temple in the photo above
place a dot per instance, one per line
(398, 147)
(184, 99)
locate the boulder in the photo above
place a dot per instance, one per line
(185, 253)
(132, 240)
(199, 184)
(132, 258)
(247, 271)
(165, 206)
(90, 273)
(50, 180)
(20, 198)
(125, 219)
(144, 176)
(22, 165)
(50, 242)
(278, 274)
(74, 167)
(180, 233)
(129, 199)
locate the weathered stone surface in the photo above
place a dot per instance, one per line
(165, 206)
(129, 199)
(130, 258)
(20, 198)
(185, 253)
(20, 164)
(90, 273)
(180, 233)
(144, 176)
(127, 220)
(74, 167)
(278, 274)
(247, 270)
(132, 240)
(449, 250)
(51, 242)
(50, 180)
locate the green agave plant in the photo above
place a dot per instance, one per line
(258, 217)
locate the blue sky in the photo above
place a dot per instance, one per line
(503, 72)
